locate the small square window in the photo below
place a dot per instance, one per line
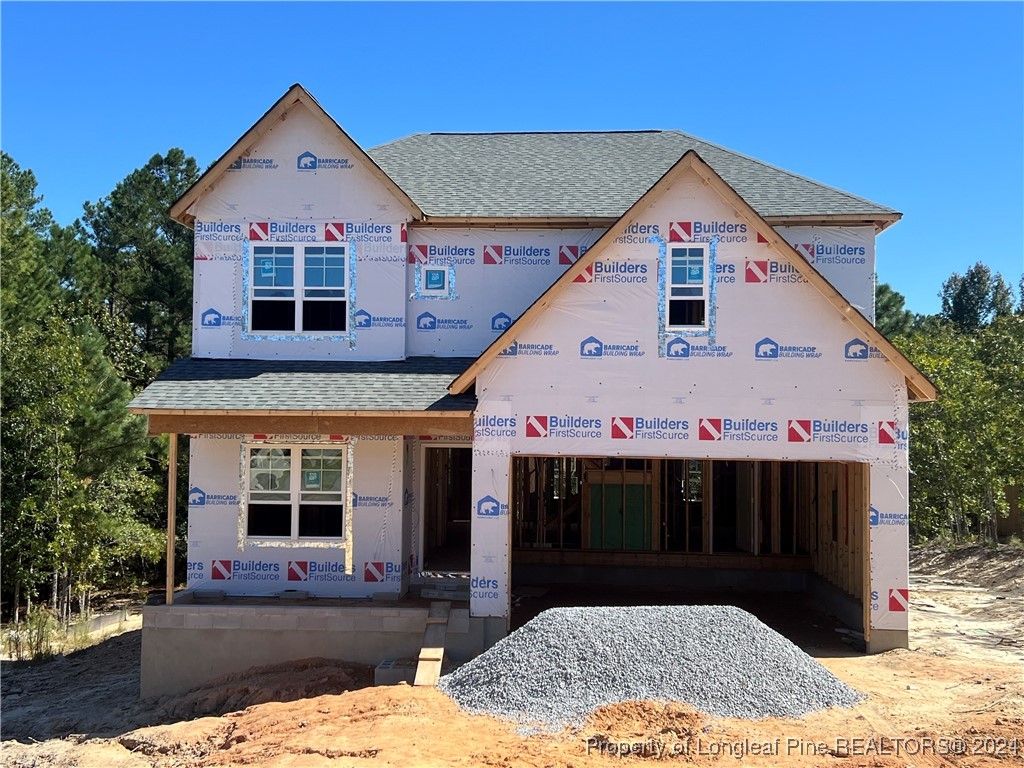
(435, 279)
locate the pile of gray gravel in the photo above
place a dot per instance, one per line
(567, 662)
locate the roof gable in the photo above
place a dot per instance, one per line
(919, 386)
(296, 97)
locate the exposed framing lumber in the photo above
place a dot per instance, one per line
(172, 502)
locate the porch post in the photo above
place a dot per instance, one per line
(172, 498)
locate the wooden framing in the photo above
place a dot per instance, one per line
(172, 502)
(444, 423)
(919, 387)
(879, 221)
(296, 95)
(807, 515)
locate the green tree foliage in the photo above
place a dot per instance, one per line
(76, 483)
(966, 447)
(891, 315)
(972, 300)
(145, 257)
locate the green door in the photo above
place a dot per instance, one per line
(620, 513)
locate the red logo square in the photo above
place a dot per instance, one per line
(799, 430)
(709, 429)
(536, 426)
(622, 428)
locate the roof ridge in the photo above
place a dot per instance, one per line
(538, 133)
(780, 169)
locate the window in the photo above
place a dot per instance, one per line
(299, 288)
(688, 287)
(435, 281)
(296, 492)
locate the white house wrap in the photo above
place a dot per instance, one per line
(499, 357)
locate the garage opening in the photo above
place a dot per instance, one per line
(697, 524)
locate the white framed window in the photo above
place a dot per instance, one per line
(435, 281)
(299, 288)
(295, 492)
(687, 298)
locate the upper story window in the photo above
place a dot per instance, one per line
(687, 286)
(299, 288)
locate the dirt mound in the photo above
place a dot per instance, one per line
(288, 681)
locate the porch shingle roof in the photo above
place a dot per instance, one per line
(415, 384)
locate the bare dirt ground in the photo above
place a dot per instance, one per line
(961, 686)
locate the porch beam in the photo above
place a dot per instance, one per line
(172, 500)
(230, 424)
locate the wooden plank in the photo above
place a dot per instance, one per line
(776, 475)
(428, 666)
(439, 611)
(427, 673)
(172, 503)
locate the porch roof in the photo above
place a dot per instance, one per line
(307, 387)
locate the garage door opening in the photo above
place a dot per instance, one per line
(694, 524)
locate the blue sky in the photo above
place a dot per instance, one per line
(918, 106)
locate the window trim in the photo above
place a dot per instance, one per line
(705, 286)
(299, 288)
(295, 493)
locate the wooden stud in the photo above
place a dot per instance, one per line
(172, 502)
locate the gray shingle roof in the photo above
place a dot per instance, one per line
(584, 174)
(415, 384)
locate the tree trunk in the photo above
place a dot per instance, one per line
(17, 600)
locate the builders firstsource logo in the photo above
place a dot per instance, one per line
(566, 426)
(832, 254)
(218, 231)
(740, 430)
(706, 231)
(570, 254)
(639, 233)
(494, 426)
(244, 570)
(380, 571)
(318, 570)
(765, 271)
(891, 433)
(517, 256)
(649, 428)
(362, 231)
(441, 255)
(613, 272)
(286, 231)
(827, 431)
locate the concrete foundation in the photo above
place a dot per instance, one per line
(186, 645)
(887, 639)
